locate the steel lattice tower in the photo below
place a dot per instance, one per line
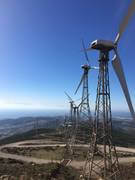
(102, 161)
(72, 132)
(85, 107)
(71, 129)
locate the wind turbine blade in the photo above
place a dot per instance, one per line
(124, 23)
(79, 84)
(68, 96)
(85, 52)
(86, 49)
(116, 62)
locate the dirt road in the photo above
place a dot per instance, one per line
(41, 143)
(44, 143)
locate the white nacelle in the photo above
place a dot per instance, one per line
(102, 45)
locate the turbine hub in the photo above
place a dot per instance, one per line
(85, 66)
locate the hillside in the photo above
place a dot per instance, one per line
(10, 127)
(121, 136)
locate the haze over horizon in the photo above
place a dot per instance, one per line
(40, 51)
(13, 113)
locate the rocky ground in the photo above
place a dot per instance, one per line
(17, 170)
(128, 171)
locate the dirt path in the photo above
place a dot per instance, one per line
(39, 143)
(77, 164)
(44, 143)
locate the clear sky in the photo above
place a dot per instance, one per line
(40, 45)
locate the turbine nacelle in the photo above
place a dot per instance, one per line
(102, 45)
(85, 66)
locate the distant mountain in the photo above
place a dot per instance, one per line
(123, 131)
(125, 124)
(9, 127)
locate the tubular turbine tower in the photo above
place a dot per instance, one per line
(106, 166)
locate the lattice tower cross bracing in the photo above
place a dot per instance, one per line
(102, 160)
(85, 107)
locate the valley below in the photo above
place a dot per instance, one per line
(36, 148)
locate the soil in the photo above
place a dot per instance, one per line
(50, 171)
(128, 171)
(33, 171)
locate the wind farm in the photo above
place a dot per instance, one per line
(88, 132)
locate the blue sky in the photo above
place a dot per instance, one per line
(40, 55)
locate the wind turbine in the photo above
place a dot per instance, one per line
(85, 107)
(71, 105)
(72, 128)
(107, 167)
(106, 46)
